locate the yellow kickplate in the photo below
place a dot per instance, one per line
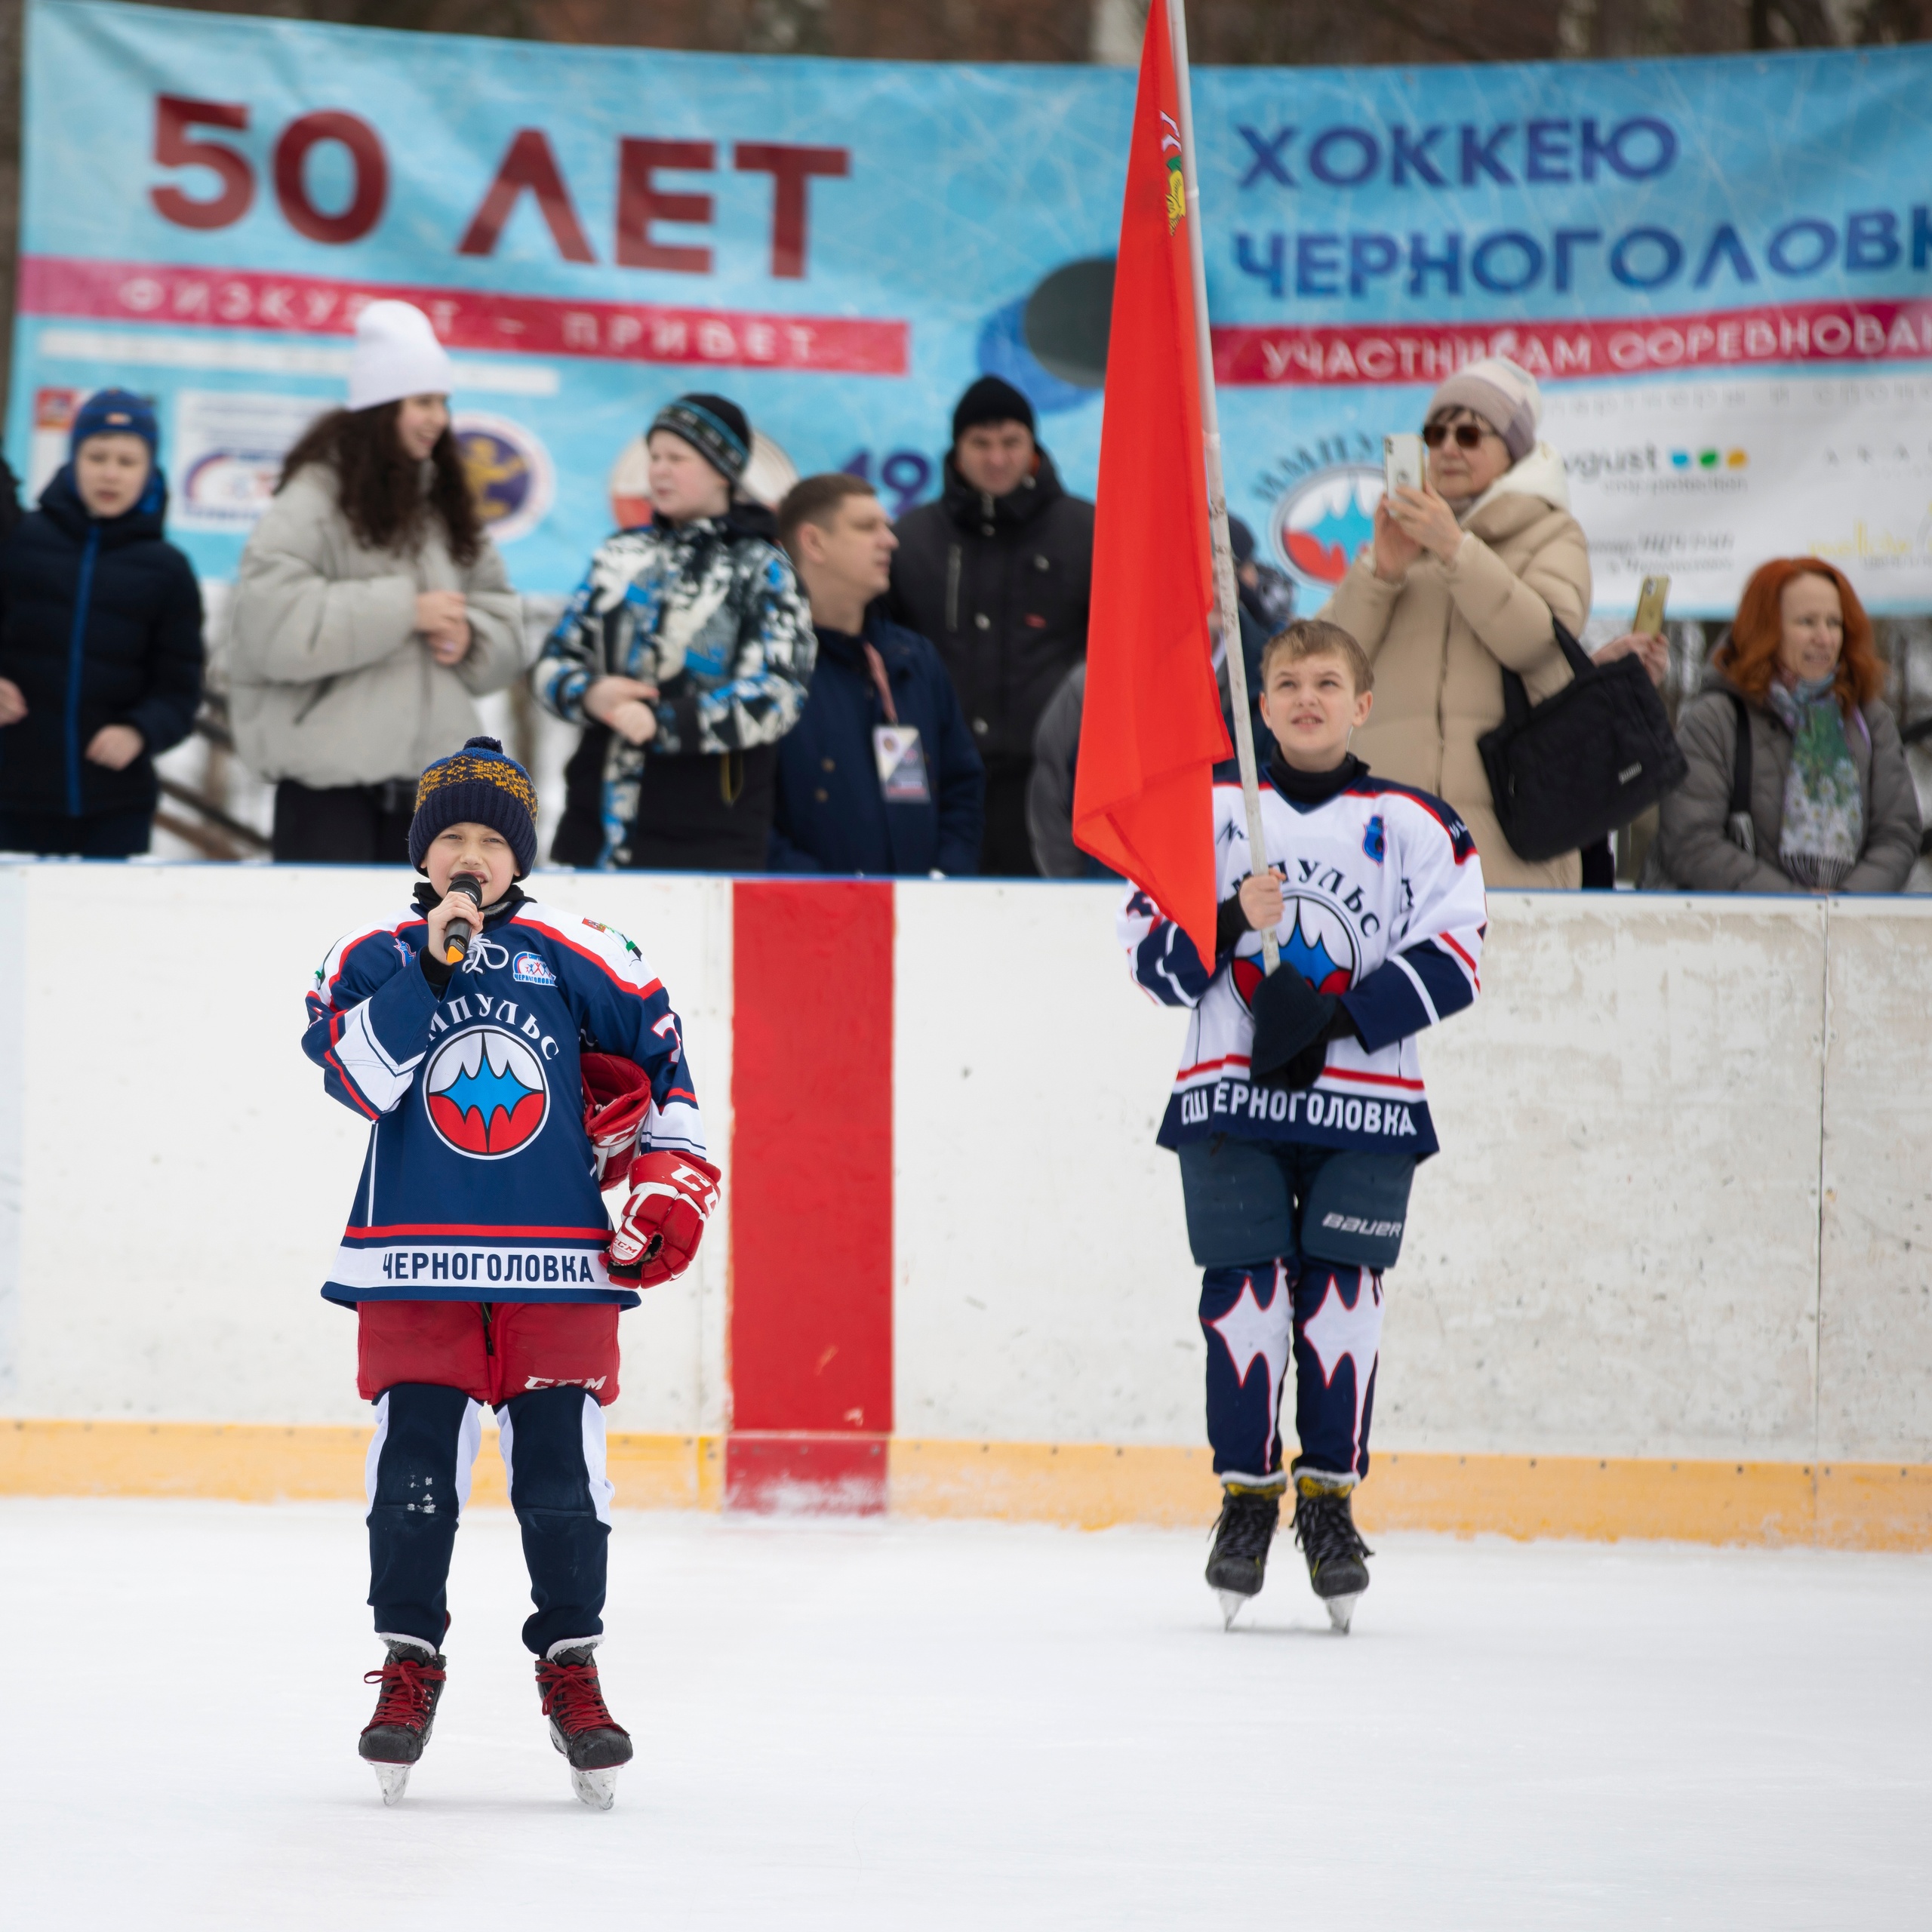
(1090, 1485)
(269, 1462)
(1844, 1505)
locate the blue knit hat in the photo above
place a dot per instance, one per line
(480, 785)
(714, 427)
(115, 413)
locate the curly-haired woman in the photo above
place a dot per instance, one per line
(370, 609)
(1833, 808)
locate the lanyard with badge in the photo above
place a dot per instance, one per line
(896, 751)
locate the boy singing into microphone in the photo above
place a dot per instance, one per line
(478, 1255)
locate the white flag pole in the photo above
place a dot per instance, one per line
(1227, 607)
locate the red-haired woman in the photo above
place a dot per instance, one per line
(1833, 808)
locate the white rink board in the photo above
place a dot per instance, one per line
(186, 1180)
(1619, 1252)
(1042, 1288)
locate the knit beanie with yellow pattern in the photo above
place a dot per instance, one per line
(480, 785)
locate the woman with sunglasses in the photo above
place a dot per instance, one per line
(1463, 578)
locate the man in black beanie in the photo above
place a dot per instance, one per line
(996, 572)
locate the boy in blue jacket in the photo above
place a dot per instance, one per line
(478, 1254)
(100, 644)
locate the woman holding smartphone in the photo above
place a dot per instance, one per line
(1464, 578)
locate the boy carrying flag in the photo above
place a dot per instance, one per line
(485, 1038)
(1299, 1113)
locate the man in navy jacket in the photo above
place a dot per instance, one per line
(880, 775)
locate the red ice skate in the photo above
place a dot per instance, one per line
(581, 1725)
(392, 1740)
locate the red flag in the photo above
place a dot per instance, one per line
(1151, 731)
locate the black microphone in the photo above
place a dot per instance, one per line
(456, 935)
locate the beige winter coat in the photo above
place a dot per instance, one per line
(1439, 640)
(330, 683)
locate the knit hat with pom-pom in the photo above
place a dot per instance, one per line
(480, 785)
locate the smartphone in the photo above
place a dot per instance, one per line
(1650, 600)
(1403, 463)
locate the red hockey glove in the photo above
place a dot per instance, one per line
(662, 1223)
(616, 1097)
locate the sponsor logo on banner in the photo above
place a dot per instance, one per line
(1705, 486)
(486, 1094)
(227, 454)
(509, 470)
(630, 485)
(53, 426)
(1323, 522)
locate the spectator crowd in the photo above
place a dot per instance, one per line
(810, 687)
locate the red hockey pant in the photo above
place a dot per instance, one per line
(490, 1351)
(546, 1368)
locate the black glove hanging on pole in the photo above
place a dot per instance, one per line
(1293, 1022)
(1292, 1025)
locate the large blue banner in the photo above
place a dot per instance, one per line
(1719, 269)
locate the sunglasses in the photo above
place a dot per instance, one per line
(1467, 435)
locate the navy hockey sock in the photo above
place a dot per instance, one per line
(1338, 1341)
(553, 1448)
(414, 1500)
(1244, 1315)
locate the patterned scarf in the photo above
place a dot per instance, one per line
(1824, 814)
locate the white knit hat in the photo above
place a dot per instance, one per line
(396, 354)
(1503, 393)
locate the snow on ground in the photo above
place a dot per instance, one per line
(908, 1725)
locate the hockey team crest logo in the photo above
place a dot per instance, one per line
(486, 1094)
(1325, 522)
(1319, 946)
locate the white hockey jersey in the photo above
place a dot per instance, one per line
(1384, 908)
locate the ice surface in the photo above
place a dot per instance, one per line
(906, 1725)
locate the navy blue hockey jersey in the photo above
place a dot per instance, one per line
(480, 1184)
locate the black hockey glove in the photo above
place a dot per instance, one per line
(1292, 1025)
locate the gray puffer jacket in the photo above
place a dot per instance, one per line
(1693, 851)
(330, 683)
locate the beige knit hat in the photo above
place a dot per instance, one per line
(1503, 393)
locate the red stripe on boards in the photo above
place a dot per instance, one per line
(812, 1169)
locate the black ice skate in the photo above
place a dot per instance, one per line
(1325, 1528)
(1238, 1562)
(581, 1727)
(392, 1740)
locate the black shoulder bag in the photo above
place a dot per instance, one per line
(1739, 827)
(1567, 772)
